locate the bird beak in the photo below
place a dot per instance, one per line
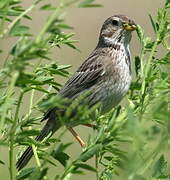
(129, 27)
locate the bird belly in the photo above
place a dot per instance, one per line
(113, 92)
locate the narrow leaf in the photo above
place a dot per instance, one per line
(25, 173)
(160, 167)
(86, 166)
(89, 153)
(153, 23)
(47, 7)
(18, 30)
(140, 33)
(1, 162)
(61, 157)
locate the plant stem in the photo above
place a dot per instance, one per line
(47, 25)
(147, 66)
(31, 102)
(11, 25)
(12, 132)
(18, 106)
(36, 155)
(4, 16)
(51, 19)
(96, 165)
(29, 113)
(7, 99)
(11, 158)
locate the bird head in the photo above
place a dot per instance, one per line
(117, 29)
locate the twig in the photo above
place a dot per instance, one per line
(11, 146)
(11, 25)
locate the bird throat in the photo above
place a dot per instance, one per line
(121, 49)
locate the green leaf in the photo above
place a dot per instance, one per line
(47, 7)
(30, 132)
(39, 174)
(61, 67)
(135, 86)
(137, 64)
(159, 167)
(44, 78)
(46, 159)
(64, 26)
(72, 46)
(1, 162)
(149, 45)
(108, 175)
(89, 153)
(53, 101)
(153, 23)
(88, 4)
(19, 30)
(61, 157)
(25, 173)
(85, 166)
(52, 140)
(28, 81)
(57, 177)
(3, 4)
(26, 141)
(22, 46)
(167, 2)
(3, 143)
(165, 59)
(140, 33)
(40, 89)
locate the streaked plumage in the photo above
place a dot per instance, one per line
(106, 73)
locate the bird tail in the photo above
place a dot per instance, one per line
(50, 127)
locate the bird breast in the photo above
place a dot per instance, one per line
(117, 79)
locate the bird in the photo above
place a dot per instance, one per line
(106, 74)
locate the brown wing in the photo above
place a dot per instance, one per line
(85, 77)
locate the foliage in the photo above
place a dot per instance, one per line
(143, 126)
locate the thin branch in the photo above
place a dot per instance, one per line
(12, 132)
(11, 25)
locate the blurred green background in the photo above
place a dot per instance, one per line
(87, 23)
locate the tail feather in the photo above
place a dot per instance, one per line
(24, 159)
(50, 127)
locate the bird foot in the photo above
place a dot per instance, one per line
(80, 141)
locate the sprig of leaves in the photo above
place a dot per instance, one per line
(142, 126)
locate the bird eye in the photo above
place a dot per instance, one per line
(115, 23)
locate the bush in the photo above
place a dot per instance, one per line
(143, 125)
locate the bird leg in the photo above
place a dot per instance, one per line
(80, 141)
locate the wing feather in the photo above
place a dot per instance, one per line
(84, 78)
